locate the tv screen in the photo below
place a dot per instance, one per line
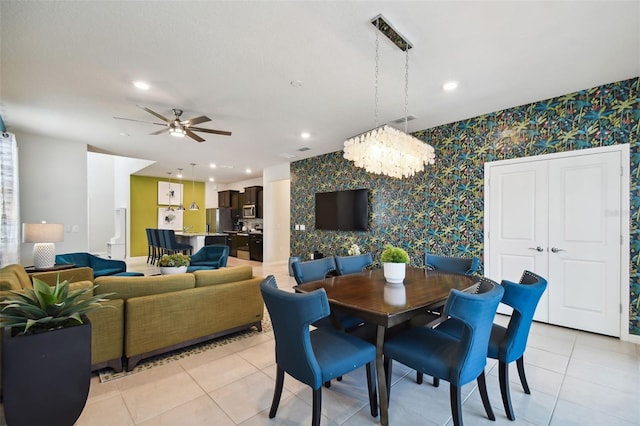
(343, 210)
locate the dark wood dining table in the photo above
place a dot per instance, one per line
(367, 295)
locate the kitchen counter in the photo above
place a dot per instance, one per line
(195, 239)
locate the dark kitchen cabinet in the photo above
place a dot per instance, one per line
(255, 247)
(251, 194)
(229, 199)
(233, 245)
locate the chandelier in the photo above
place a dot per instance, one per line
(385, 150)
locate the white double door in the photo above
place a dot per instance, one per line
(560, 218)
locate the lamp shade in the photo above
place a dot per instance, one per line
(42, 232)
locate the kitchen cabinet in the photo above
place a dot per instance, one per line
(233, 245)
(229, 199)
(255, 247)
(251, 194)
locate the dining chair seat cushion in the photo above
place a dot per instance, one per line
(408, 347)
(327, 342)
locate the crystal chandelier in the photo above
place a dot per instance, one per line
(385, 150)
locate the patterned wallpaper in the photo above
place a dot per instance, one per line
(441, 210)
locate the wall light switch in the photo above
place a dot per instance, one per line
(75, 228)
(67, 228)
(297, 227)
(303, 228)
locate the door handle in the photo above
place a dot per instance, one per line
(556, 249)
(536, 248)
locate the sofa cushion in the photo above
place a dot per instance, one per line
(72, 275)
(14, 277)
(223, 275)
(129, 287)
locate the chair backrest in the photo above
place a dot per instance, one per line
(352, 264)
(162, 239)
(170, 236)
(476, 312)
(149, 239)
(313, 270)
(523, 297)
(291, 314)
(459, 265)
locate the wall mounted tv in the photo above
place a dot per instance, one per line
(343, 210)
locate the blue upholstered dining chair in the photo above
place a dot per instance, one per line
(313, 270)
(458, 360)
(318, 269)
(209, 257)
(352, 264)
(312, 357)
(508, 344)
(459, 265)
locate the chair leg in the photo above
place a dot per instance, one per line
(339, 378)
(482, 387)
(327, 384)
(503, 375)
(456, 404)
(317, 406)
(277, 393)
(436, 382)
(523, 377)
(419, 377)
(388, 365)
(371, 384)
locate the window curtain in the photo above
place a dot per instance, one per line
(9, 200)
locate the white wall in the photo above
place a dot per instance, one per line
(277, 213)
(101, 190)
(53, 188)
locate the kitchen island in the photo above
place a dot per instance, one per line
(197, 239)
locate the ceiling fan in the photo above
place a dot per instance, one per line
(178, 127)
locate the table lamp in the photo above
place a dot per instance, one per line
(44, 235)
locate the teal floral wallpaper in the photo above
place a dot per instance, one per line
(441, 210)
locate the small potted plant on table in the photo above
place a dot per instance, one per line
(176, 263)
(394, 261)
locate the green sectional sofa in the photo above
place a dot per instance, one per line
(156, 314)
(168, 312)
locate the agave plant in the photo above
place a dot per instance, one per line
(47, 308)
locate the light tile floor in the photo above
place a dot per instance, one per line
(576, 378)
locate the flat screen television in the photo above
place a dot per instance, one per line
(343, 210)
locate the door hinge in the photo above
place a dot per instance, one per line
(621, 308)
(621, 171)
(621, 239)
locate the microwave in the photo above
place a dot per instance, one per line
(249, 211)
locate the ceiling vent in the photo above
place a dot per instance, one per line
(303, 149)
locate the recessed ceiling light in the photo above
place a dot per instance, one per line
(212, 165)
(211, 179)
(450, 85)
(247, 171)
(124, 134)
(142, 85)
(305, 135)
(296, 83)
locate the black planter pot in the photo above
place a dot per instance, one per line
(46, 376)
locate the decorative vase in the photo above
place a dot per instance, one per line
(170, 270)
(55, 365)
(394, 272)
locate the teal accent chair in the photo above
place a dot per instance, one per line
(209, 257)
(100, 266)
(458, 360)
(458, 265)
(313, 357)
(353, 264)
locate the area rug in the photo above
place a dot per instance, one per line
(107, 374)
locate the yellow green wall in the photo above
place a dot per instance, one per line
(144, 210)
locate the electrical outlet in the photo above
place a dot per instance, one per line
(303, 228)
(75, 228)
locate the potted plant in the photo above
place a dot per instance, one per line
(394, 261)
(176, 263)
(46, 351)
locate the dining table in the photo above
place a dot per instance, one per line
(386, 306)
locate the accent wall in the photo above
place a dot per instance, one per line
(441, 210)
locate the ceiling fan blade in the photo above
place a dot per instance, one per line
(193, 135)
(154, 113)
(197, 120)
(139, 121)
(217, 132)
(157, 132)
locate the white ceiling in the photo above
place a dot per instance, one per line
(67, 68)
